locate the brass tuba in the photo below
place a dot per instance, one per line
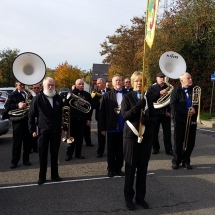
(66, 121)
(196, 97)
(28, 68)
(79, 103)
(172, 66)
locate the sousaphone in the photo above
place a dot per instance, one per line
(172, 66)
(29, 68)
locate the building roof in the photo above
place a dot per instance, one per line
(100, 71)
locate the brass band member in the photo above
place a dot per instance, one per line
(21, 135)
(181, 105)
(102, 89)
(162, 115)
(111, 123)
(127, 85)
(78, 120)
(47, 107)
(136, 154)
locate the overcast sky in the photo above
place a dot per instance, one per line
(64, 30)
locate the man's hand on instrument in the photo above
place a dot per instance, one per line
(88, 122)
(103, 133)
(21, 105)
(191, 111)
(163, 92)
(34, 134)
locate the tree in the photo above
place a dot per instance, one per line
(122, 49)
(6, 62)
(65, 75)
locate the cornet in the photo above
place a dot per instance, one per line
(95, 93)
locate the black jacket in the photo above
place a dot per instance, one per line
(96, 103)
(130, 112)
(107, 117)
(178, 104)
(12, 104)
(154, 93)
(49, 118)
(76, 114)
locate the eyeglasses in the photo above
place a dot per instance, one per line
(127, 82)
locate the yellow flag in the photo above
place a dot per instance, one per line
(151, 21)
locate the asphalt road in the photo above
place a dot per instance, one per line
(86, 189)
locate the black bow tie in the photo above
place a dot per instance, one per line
(118, 91)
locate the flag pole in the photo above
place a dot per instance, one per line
(143, 76)
(153, 6)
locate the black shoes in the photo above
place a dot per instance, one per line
(57, 178)
(174, 166)
(90, 144)
(13, 166)
(110, 174)
(120, 173)
(155, 152)
(41, 181)
(169, 152)
(27, 163)
(99, 155)
(187, 166)
(80, 157)
(68, 158)
(130, 205)
(143, 204)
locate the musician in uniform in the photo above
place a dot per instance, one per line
(21, 136)
(127, 85)
(181, 105)
(96, 101)
(162, 115)
(78, 120)
(136, 154)
(37, 89)
(47, 107)
(111, 123)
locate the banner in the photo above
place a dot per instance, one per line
(151, 18)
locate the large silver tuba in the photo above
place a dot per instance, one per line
(78, 103)
(29, 69)
(172, 66)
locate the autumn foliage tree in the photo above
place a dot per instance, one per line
(122, 50)
(65, 75)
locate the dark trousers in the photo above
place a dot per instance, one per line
(165, 121)
(115, 151)
(34, 143)
(87, 134)
(21, 136)
(77, 132)
(179, 155)
(44, 140)
(101, 141)
(136, 160)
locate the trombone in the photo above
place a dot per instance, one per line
(196, 96)
(66, 121)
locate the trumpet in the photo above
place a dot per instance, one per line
(117, 110)
(79, 103)
(95, 93)
(196, 96)
(66, 121)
